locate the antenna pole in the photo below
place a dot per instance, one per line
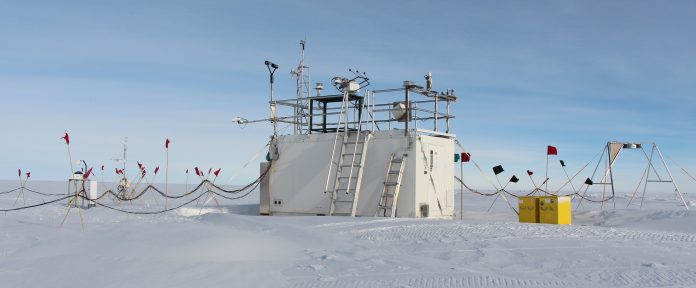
(303, 91)
(125, 148)
(272, 67)
(461, 189)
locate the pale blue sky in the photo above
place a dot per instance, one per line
(573, 74)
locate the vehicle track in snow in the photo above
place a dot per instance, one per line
(424, 237)
(453, 231)
(661, 277)
(426, 281)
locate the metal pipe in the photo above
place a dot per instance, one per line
(447, 119)
(311, 115)
(408, 111)
(388, 90)
(272, 67)
(670, 176)
(435, 115)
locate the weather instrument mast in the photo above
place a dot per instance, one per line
(123, 183)
(302, 76)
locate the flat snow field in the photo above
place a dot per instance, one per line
(230, 246)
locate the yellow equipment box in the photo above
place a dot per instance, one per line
(529, 209)
(554, 210)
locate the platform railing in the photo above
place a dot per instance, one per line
(387, 109)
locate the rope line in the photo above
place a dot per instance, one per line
(499, 191)
(35, 205)
(209, 188)
(10, 191)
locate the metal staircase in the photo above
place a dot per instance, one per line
(392, 185)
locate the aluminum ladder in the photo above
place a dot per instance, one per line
(349, 172)
(392, 185)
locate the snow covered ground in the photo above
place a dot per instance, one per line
(230, 246)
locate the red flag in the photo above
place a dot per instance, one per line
(466, 157)
(209, 170)
(19, 172)
(166, 144)
(67, 138)
(140, 165)
(28, 175)
(86, 175)
(530, 173)
(217, 172)
(116, 170)
(102, 167)
(156, 169)
(198, 172)
(144, 172)
(551, 150)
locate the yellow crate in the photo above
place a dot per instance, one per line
(529, 209)
(555, 210)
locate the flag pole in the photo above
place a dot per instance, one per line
(570, 181)
(166, 180)
(152, 180)
(536, 187)
(550, 150)
(21, 188)
(26, 179)
(166, 173)
(102, 176)
(498, 192)
(217, 172)
(211, 195)
(546, 189)
(73, 200)
(533, 182)
(461, 190)
(200, 174)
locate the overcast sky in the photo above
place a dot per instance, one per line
(573, 74)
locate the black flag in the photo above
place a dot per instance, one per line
(589, 181)
(498, 169)
(562, 163)
(514, 179)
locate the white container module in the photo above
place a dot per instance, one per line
(297, 179)
(385, 153)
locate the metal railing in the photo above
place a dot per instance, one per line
(411, 108)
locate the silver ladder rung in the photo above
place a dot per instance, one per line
(355, 165)
(351, 154)
(391, 183)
